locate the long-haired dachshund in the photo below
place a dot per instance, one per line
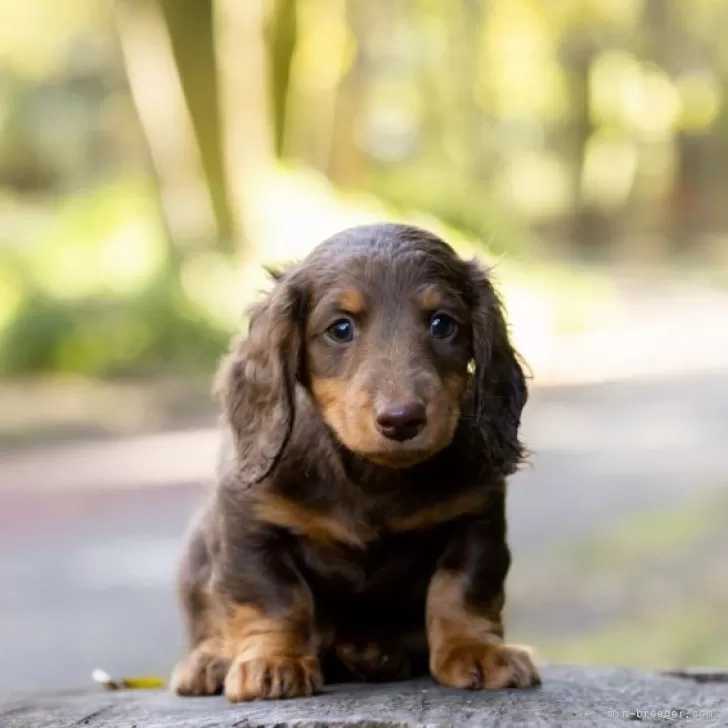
(357, 530)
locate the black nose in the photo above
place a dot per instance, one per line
(401, 421)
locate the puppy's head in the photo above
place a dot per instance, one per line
(394, 337)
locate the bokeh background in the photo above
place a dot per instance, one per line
(153, 153)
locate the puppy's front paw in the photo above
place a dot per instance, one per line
(202, 672)
(484, 666)
(266, 678)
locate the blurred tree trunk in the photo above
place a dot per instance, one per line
(190, 28)
(201, 111)
(281, 36)
(580, 62)
(246, 108)
(318, 67)
(589, 228)
(670, 47)
(688, 197)
(346, 159)
(166, 125)
(465, 50)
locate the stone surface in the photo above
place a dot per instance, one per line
(571, 697)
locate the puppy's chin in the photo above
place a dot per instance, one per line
(397, 460)
(399, 456)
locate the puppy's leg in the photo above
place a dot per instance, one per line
(464, 604)
(203, 670)
(268, 627)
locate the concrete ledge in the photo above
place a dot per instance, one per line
(571, 697)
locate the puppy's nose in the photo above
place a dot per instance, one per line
(401, 421)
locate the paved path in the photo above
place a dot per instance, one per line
(89, 534)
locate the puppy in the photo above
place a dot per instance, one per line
(357, 530)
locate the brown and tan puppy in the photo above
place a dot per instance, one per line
(358, 527)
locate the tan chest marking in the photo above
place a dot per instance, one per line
(323, 528)
(439, 513)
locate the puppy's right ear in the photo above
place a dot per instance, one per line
(256, 380)
(499, 382)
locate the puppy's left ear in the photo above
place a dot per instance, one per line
(500, 391)
(256, 381)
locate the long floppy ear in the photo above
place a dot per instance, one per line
(256, 380)
(500, 391)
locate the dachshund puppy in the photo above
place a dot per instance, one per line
(357, 530)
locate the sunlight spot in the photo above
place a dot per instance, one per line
(609, 168)
(700, 97)
(214, 282)
(537, 184)
(130, 256)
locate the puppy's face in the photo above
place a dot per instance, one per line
(383, 325)
(388, 340)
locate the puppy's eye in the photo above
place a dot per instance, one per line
(341, 331)
(442, 326)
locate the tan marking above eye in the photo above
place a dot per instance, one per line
(352, 301)
(430, 298)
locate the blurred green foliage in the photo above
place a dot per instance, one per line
(95, 292)
(129, 154)
(158, 329)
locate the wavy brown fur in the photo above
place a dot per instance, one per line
(339, 545)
